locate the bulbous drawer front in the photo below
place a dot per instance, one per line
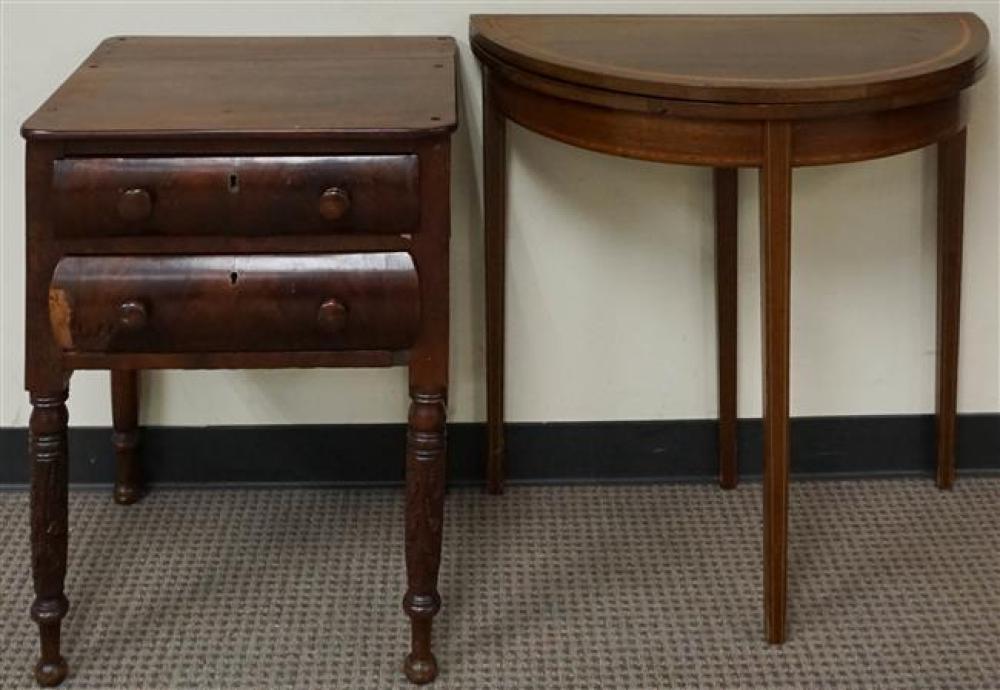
(235, 303)
(236, 195)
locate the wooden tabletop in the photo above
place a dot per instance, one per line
(268, 87)
(767, 59)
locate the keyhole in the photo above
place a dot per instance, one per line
(232, 278)
(234, 183)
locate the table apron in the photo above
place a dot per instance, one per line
(664, 138)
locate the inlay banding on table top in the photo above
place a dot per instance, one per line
(742, 58)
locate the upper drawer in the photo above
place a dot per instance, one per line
(236, 195)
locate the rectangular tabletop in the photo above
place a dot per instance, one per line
(268, 87)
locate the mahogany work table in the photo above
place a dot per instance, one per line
(204, 203)
(769, 92)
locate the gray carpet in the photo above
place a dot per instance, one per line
(893, 584)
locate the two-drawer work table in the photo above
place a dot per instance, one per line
(731, 91)
(239, 203)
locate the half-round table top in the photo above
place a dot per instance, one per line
(745, 59)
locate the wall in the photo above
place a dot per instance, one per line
(610, 292)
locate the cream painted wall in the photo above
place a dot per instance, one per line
(610, 294)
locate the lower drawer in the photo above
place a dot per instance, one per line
(235, 303)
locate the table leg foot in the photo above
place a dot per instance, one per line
(421, 666)
(495, 478)
(420, 671)
(49, 674)
(126, 495)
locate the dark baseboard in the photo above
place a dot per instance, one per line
(370, 454)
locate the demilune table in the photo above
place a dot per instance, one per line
(769, 92)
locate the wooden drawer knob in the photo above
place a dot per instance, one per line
(132, 315)
(333, 203)
(332, 316)
(135, 204)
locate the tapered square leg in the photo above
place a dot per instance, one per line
(48, 455)
(125, 439)
(495, 211)
(951, 199)
(726, 207)
(775, 243)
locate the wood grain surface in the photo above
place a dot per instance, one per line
(139, 86)
(742, 58)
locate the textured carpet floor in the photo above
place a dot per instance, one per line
(893, 584)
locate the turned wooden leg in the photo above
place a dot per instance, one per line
(726, 206)
(775, 247)
(425, 481)
(47, 452)
(951, 198)
(495, 211)
(125, 439)
(425, 437)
